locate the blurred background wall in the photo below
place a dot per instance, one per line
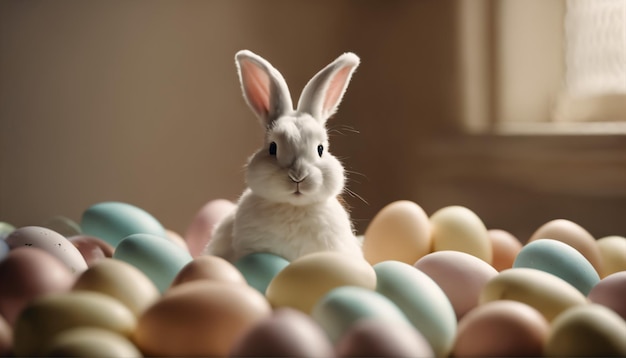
(138, 101)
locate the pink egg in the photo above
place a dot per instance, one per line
(91, 248)
(611, 292)
(505, 248)
(199, 231)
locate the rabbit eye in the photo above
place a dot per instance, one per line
(273, 148)
(320, 149)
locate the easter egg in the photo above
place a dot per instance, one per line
(201, 227)
(90, 342)
(458, 228)
(27, 273)
(51, 242)
(461, 276)
(46, 316)
(501, 329)
(543, 291)
(305, 280)
(6, 338)
(4, 249)
(285, 333)
(374, 337)
(613, 254)
(158, 258)
(91, 248)
(559, 259)
(209, 268)
(113, 221)
(260, 268)
(399, 231)
(574, 235)
(505, 248)
(5, 230)
(611, 293)
(122, 281)
(422, 301)
(587, 331)
(341, 307)
(199, 318)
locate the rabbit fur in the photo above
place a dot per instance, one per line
(290, 207)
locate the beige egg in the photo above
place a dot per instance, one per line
(613, 254)
(587, 331)
(177, 239)
(505, 248)
(201, 227)
(574, 235)
(48, 315)
(209, 268)
(305, 280)
(91, 342)
(501, 329)
(400, 232)
(543, 291)
(121, 281)
(458, 228)
(200, 318)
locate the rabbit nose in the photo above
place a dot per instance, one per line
(297, 177)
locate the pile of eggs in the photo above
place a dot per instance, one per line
(119, 284)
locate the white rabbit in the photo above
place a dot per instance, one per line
(290, 207)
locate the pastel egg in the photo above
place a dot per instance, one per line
(6, 338)
(423, 302)
(587, 331)
(574, 235)
(27, 273)
(559, 259)
(461, 276)
(260, 268)
(209, 268)
(505, 248)
(286, 333)
(199, 318)
(51, 314)
(91, 248)
(51, 242)
(4, 249)
(305, 280)
(5, 230)
(113, 221)
(399, 231)
(90, 342)
(122, 281)
(343, 306)
(501, 329)
(201, 227)
(371, 337)
(611, 293)
(158, 258)
(543, 291)
(176, 238)
(458, 228)
(613, 254)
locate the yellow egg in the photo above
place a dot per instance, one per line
(547, 293)
(199, 318)
(458, 228)
(575, 236)
(305, 280)
(400, 232)
(613, 253)
(91, 342)
(587, 331)
(51, 314)
(119, 280)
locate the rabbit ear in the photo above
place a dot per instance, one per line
(321, 96)
(264, 88)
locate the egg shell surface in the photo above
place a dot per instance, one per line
(6, 337)
(209, 267)
(201, 227)
(613, 254)
(611, 293)
(505, 248)
(5, 229)
(260, 268)
(91, 342)
(91, 248)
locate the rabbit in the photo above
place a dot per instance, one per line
(291, 206)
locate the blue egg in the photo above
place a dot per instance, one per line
(560, 259)
(158, 258)
(112, 221)
(260, 268)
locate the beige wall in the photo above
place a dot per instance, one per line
(138, 101)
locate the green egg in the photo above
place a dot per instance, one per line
(112, 221)
(158, 258)
(341, 307)
(560, 259)
(260, 268)
(422, 301)
(5, 229)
